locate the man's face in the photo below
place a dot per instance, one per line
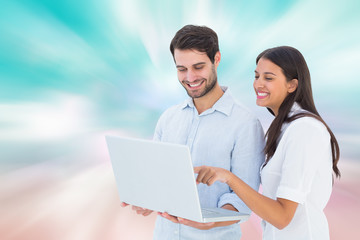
(195, 71)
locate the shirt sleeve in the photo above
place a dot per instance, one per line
(247, 157)
(159, 128)
(306, 147)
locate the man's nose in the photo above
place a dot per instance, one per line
(191, 76)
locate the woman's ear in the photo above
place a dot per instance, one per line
(292, 85)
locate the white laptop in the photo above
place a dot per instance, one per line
(160, 176)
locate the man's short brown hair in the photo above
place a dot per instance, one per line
(200, 38)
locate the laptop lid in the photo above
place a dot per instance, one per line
(157, 176)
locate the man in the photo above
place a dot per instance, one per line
(219, 132)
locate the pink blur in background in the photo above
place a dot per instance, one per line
(47, 201)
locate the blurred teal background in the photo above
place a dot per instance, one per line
(72, 71)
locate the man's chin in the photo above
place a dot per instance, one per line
(195, 94)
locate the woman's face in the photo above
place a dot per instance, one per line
(270, 85)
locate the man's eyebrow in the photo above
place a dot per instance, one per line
(200, 63)
(194, 65)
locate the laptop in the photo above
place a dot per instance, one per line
(160, 176)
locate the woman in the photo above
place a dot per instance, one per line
(301, 152)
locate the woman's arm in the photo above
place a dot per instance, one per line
(277, 212)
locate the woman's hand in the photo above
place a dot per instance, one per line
(209, 175)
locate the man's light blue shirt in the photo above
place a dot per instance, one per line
(228, 136)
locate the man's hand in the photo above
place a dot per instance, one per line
(198, 225)
(169, 217)
(139, 210)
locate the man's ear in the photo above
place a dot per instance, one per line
(292, 85)
(217, 58)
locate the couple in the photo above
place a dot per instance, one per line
(228, 149)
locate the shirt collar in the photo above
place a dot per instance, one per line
(295, 109)
(223, 105)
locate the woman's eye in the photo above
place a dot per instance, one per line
(256, 77)
(269, 79)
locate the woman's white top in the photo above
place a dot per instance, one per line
(300, 171)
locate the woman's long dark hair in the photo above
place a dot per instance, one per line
(294, 66)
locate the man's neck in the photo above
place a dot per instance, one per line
(205, 102)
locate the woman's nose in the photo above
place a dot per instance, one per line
(258, 83)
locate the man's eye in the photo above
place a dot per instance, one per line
(200, 67)
(181, 69)
(256, 77)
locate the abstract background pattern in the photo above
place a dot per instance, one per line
(73, 71)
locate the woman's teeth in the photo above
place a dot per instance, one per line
(262, 94)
